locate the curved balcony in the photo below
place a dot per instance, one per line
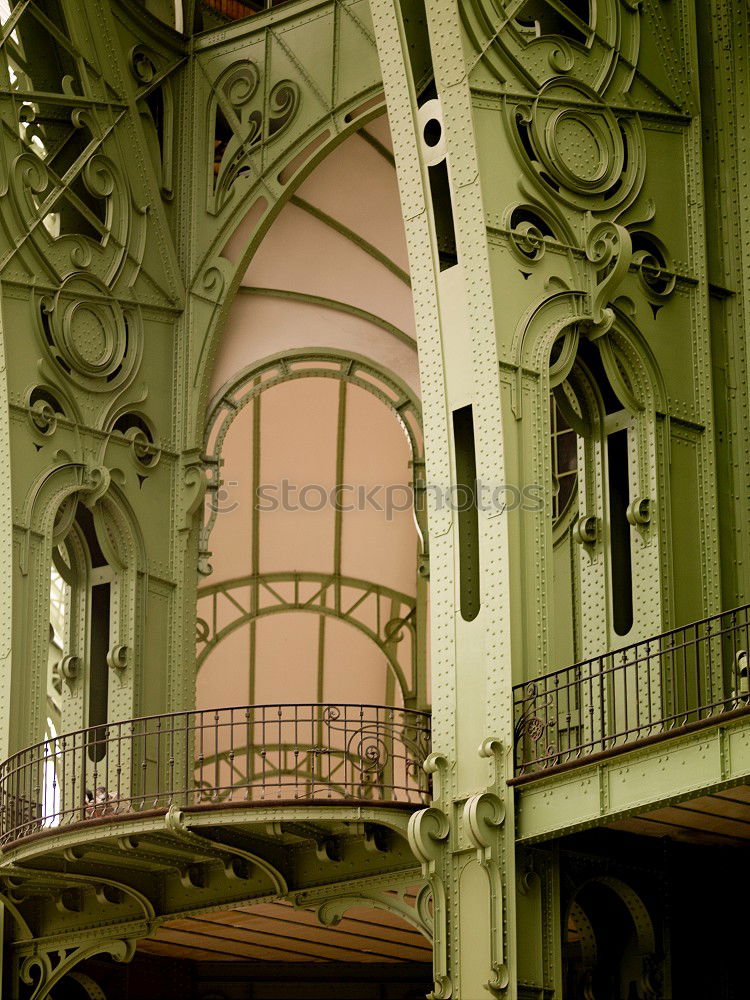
(212, 758)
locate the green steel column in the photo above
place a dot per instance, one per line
(571, 145)
(465, 840)
(723, 55)
(6, 554)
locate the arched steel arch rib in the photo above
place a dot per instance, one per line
(350, 368)
(334, 305)
(391, 390)
(345, 598)
(272, 165)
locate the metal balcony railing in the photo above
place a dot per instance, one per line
(671, 683)
(272, 753)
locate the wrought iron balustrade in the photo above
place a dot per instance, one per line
(667, 684)
(362, 753)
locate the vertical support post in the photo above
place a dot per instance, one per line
(465, 840)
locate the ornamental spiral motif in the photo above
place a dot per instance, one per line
(243, 119)
(369, 750)
(589, 157)
(89, 335)
(529, 44)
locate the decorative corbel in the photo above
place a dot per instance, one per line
(428, 832)
(174, 821)
(639, 512)
(483, 816)
(96, 482)
(117, 657)
(70, 667)
(193, 490)
(53, 966)
(437, 764)
(586, 530)
(492, 749)
(332, 911)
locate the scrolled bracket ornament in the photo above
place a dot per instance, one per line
(44, 970)
(70, 668)
(194, 485)
(655, 270)
(586, 530)
(332, 911)
(530, 228)
(138, 430)
(437, 765)
(492, 749)
(483, 816)
(117, 657)
(96, 482)
(609, 248)
(143, 65)
(428, 832)
(482, 820)
(44, 410)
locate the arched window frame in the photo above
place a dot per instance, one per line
(632, 381)
(70, 555)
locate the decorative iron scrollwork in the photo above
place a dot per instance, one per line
(242, 123)
(90, 336)
(655, 269)
(590, 158)
(138, 430)
(529, 228)
(534, 725)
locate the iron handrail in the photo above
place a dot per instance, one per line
(304, 752)
(650, 689)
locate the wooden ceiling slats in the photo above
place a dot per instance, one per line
(313, 947)
(390, 928)
(279, 932)
(239, 949)
(649, 827)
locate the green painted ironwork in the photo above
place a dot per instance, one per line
(573, 190)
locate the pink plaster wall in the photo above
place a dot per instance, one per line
(298, 424)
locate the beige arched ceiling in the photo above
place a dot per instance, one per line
(303, 600)
(340, 243)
